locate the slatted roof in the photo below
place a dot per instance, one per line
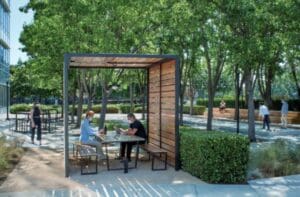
(115, 60)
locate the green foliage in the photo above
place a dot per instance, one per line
(197, 110)
(3, 153)
(280, 158)
(110, 124)
(215, 157)
(9, 153)
(139, 110)
(125, 108)
(20, 108)
(16, 108)
(112, 109)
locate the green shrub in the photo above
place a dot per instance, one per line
(17, 108)
(20, 108)
(96, 108)
(3, 153)
(112, 109)
(125, 108)
(215, 157)
(197, 110)
(139, 110)
(280, 158)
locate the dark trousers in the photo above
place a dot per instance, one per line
(129, 149)
(266, 122)
(37, 122)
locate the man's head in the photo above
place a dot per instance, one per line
(131, 117)
(90, 114)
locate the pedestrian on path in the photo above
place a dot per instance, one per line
(264, 113)
(284, 112)
(35, 120)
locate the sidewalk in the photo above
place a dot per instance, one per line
(139, 182)
(291, 133)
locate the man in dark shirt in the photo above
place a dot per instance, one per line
(135, 128)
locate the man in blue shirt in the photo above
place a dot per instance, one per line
(86, 131)
(264, 113)
(284, 112)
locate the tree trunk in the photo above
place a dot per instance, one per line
(131, 97)
(79, 106)
(191, 105)
(181, 110)
(73, 107)
(251, 111)
(143, 105)
(103, 107)
(90, 100)
(295, 77)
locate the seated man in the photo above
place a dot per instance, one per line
(222, 106)
(86, 131)
(135, 128)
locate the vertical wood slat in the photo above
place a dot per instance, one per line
(162, 108)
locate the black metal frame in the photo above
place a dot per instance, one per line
(165, 58)
(88, 158)
(7, 100)
(125, 162)
(177, 135)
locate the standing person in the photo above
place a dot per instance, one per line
(86, 131)
(284, 112)
(222, 106)
(35, 120)
(264, 113)
(135, 128)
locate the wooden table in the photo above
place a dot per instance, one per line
(119, 138)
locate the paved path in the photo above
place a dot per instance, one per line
(292, 134)
(103, 186)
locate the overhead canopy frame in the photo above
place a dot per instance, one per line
(163, 95)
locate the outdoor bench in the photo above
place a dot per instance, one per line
(85, 153)
(157, 153)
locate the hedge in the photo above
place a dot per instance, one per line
(197, 110)
(294, 104)
(214, 156)
(97, 108)
(17, 108)
(125, 108)
(139, 110)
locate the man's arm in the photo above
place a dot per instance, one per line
(132, 131)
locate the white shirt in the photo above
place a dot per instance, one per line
(263, 110)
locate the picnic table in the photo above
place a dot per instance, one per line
(112, 137)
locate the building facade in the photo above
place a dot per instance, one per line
(4, 54)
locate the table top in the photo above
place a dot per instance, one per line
(112, 137)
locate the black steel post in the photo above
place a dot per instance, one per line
(238, 100)
(7, 100)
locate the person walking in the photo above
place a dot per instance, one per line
(35, 120)
(284, 112)
(264, 113)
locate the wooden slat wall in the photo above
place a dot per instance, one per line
(162, 108)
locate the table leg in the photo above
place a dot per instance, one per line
(137, 154)
(107, 158)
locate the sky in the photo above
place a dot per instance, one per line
(17, 20)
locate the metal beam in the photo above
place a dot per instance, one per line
(66, 117)
(177, 135)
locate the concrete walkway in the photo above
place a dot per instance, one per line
(291, 133)
(144, 182)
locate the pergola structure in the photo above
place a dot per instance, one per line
(162, 96)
